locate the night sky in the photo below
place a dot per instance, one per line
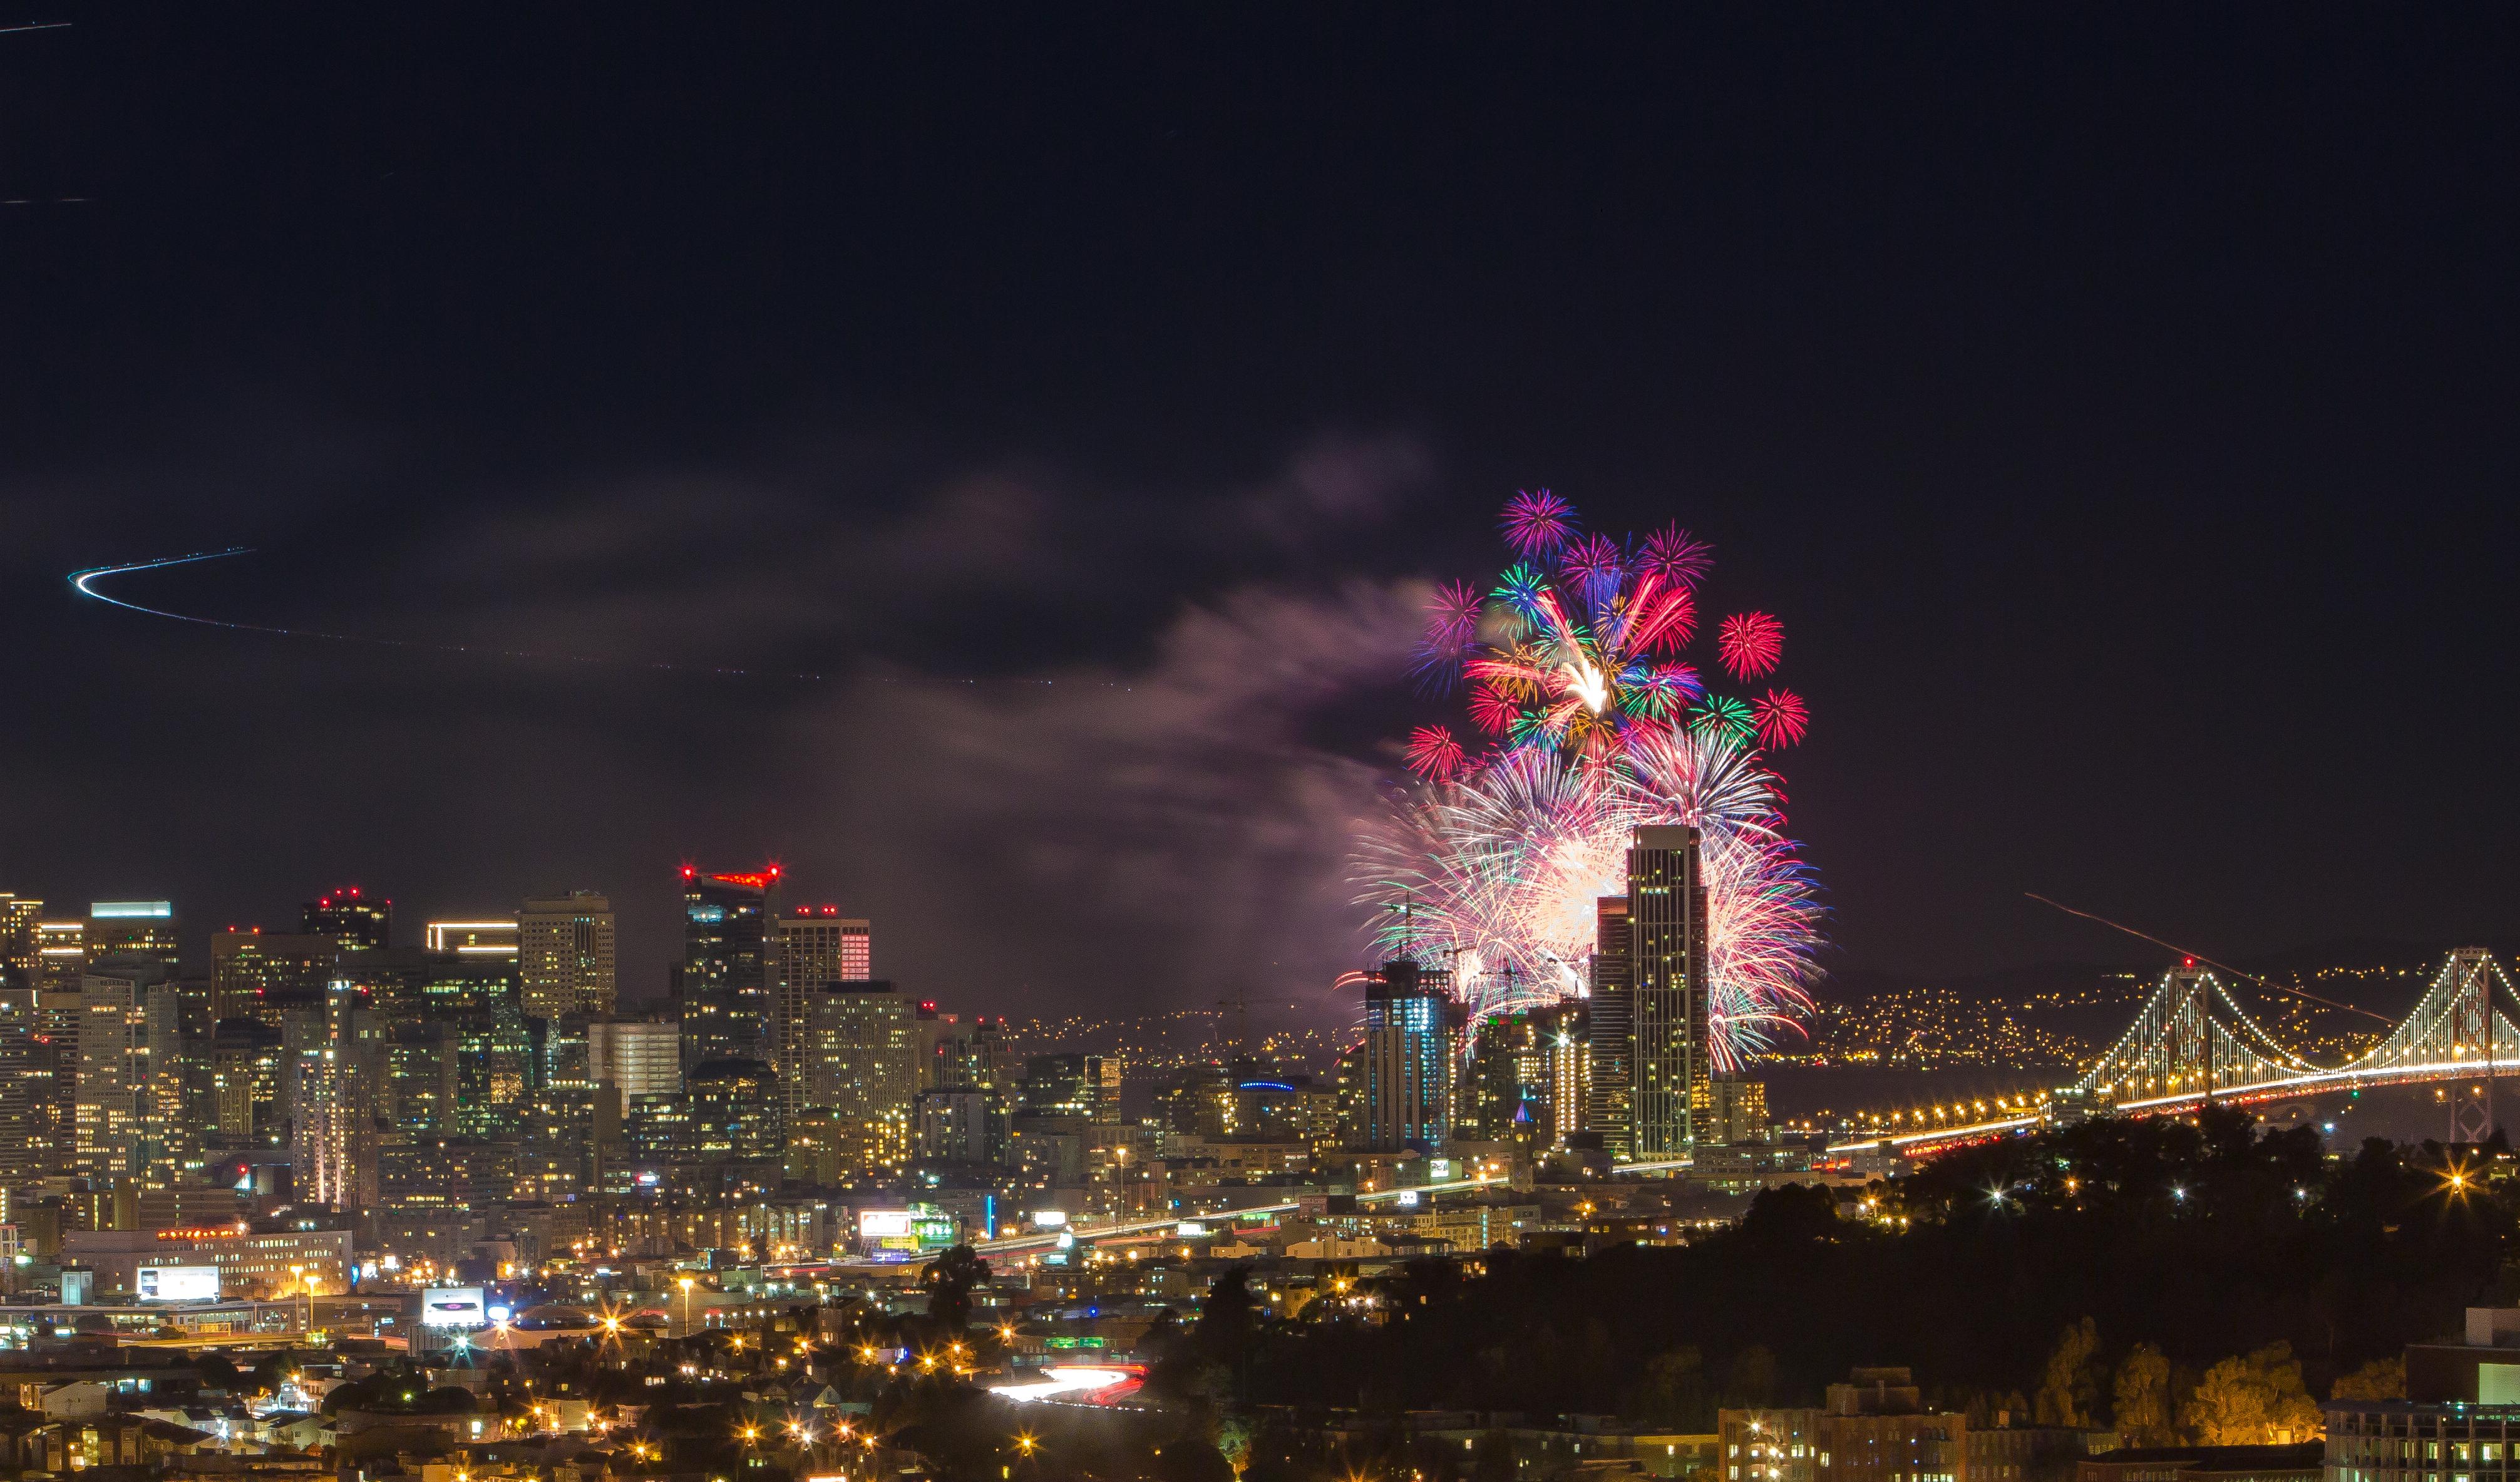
(2118, 410)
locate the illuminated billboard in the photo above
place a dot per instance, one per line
(905, 1234)
(176, 1283)
(453, 1307)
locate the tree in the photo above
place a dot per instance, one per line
(2069, 1389)
(1673, 1393)
(1234, 1436)
(1226, 1320)
(1191, 1460)
(2291, 1414)
(1752, 1379)
(949, 1280)
(2252, 1401)
(2143, 1396)
(2227, 1408)
(2379, 1379)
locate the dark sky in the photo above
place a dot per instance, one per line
(2117, 407)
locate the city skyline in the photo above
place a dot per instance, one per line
(1116, 550)
(1266, 743)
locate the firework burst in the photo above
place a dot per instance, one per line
(1574, 668)
(1496, 873)
(1577, 647)
(1750, 644)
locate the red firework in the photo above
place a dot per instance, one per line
(1434, 755)
(1537, 522)
(1494, 710)
(1750, 644)
(1782, 718)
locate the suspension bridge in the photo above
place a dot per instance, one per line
(2192, 1044)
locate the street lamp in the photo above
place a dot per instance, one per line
(687, 1305)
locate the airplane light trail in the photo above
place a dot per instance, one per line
(80, 580)
(2207, 960)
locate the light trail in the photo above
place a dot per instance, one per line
(80, 580)
(2146, 936)
(1174, 1220)
(1078, 1380)
(1937, 1135)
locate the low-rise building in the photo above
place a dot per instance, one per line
(1874, 1428)
(2459, 1418)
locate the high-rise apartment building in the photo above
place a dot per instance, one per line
(734, 1140)
(132, 928)
(1409, 1038)
(1513, 1087)
(1570, 1065)
(810, 948)
(722, 988)
(861, 1060)
(351, 918)
(27, 1070)
(1667, 936)
(261, 975)
(569, 1119)
(129, 1112)
(1609, 1051)
(333, 1101)
(565, 946)
(246, 1110)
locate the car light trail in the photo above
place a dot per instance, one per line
(1077, 1381)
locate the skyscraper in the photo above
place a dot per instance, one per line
(735, 1141)
(1408, 1058)
(860, 1060)
(349, 917)
(129, 1101)
(25, 1089)
(60, 955)
(811, 948)
(722, 987)
(132, 928)
(565, 949)
(640, 1056)
(245, 1110)
(1611, 1013)
(1667, 933)
(17, 918)
(333, 1117)
(261, 975)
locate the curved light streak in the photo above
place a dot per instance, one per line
(80, 580)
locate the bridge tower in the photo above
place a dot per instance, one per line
(2190, 1040)
(2469, 1030)
(2185, 1057)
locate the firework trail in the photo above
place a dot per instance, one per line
(1496, 874)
